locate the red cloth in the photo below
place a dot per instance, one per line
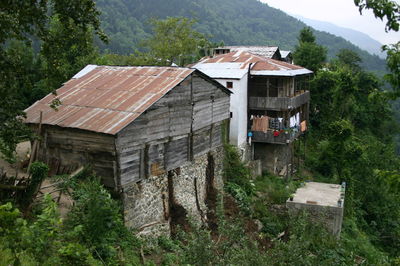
(276, 133)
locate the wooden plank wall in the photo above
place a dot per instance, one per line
(182, 125)
(259, 86)
(65, 149)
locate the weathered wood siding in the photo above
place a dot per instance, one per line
(182, 125)
(279, 103)
(66, 149)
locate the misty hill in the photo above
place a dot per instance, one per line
(358, 38)
(235, 22)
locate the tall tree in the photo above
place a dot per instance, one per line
(21, 20)
(66, 49)
(308, 53)
(174, 41)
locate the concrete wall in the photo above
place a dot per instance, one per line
(331, 217)
(238, 108)
(158, 204)
(274, 157)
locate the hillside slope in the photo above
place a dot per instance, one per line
(358, 38)
(244, 22)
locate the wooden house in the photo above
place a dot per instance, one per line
(269, 105)
(153, 134)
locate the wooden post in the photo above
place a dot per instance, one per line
(35, 146)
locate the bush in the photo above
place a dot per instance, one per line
(96, 222)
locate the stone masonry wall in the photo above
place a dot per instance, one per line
(151, 206)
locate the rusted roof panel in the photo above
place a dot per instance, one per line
(106, 99)
(266, 51)
(235, 65)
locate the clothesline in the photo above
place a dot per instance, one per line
(264, 124)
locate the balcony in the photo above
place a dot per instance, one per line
(279, 103)
(268, 137)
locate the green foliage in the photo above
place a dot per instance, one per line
(272, 191)
(349, 58)
(175, 41)
(308, 53)
(235, 22)
(393, 64)
(237, 177)
(95, 221)
(235, 171)
(390, 10)
(92, 234)
(66, 49)
(231, 246)
(306, 36)
(22, 78)
(36, 240)
(352, 132)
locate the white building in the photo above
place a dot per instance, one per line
(269, 105)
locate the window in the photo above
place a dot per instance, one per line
(229, 84)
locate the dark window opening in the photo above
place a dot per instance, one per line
(229, 84)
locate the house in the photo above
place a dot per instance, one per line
(272, 52)
(287, 56)
(324, 203)
(269, 106)
(153, 134)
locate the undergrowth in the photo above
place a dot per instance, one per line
(92, 234)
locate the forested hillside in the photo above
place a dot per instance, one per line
(235, 22)
(358, 38)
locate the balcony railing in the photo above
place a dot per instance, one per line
(279, 103)
(268, 137)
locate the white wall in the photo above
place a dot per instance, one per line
(238, 107)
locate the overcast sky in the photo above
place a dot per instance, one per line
(340, 12)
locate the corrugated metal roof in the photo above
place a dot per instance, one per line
(267, 51)
(236, 64)
(284, 54)
(105, 99)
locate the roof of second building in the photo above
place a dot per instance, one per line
(235, 65)
(105, 99)
(284, 54)
(267, 51)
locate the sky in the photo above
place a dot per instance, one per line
(340, 12)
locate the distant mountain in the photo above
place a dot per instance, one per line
(235, 22)
(358, 38)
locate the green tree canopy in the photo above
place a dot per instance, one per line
(25, 20)
(308, 53)
(306, 35)
(175, 41)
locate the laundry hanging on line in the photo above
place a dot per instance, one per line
(260, 123)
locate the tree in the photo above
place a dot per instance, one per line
(306, 35)
(349, 58)
(175, 41)
(308, 53)
(66, 49)
(391, 11)
(26, 20)
(382, 9)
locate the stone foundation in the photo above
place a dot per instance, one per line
(158, 204)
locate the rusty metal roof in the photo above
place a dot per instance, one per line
(236, 64)
(106, 99)
(266, 51)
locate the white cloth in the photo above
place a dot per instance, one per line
(292, 121)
